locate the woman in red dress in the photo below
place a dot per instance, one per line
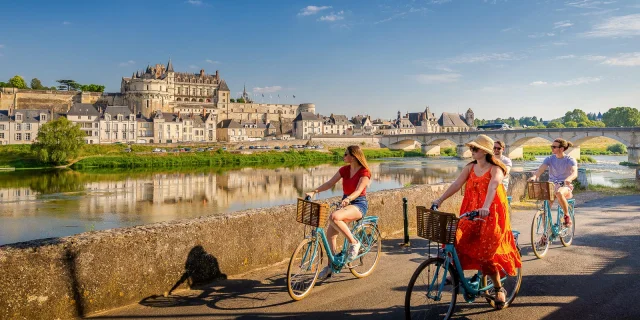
(487, 245)
(355, 180)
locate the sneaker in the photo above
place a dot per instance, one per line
(567, 221)
(352, 253)
(325, 273)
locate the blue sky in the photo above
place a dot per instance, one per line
(500, 58)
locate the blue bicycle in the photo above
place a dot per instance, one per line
(543, 230)
(307, 259)
(433, 289)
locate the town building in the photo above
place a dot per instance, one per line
(117, 124)
(88, 118)
(337, 124)
(231, 131)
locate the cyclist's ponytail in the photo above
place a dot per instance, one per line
(564, 144)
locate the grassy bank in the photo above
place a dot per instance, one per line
(591, 151)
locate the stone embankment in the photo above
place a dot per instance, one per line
(71, 277)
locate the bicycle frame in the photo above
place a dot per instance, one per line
(338, 260)
(556, 227)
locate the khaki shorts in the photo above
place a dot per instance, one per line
(557, 186)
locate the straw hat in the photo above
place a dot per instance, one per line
(483, 143)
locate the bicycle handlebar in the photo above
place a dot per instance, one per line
(471, 215)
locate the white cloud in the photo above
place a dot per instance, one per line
(588, 4)
(593, 58)
(626, 60)
(560, 43)
(484, 58)
(538, 83)
(438, 78)
(617, 27)
(562, 24)
(193, 66)
(66, 23)
(570, 56)
(271, 89)
(599, 12)
(311, 10)
(541, 35)
(333, 16)
(576, 82)
(194, 2)
(126, 64)
(212, 61)
(402, 14)
(439, 1)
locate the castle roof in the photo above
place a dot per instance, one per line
(30, 115)
(451, 120)
(248, 123)
(306, 116)
(223, 86)
(115, 110)
(229, 123)
(83, 109)
(169, 66)
(4, 115)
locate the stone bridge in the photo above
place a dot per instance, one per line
(516, 139)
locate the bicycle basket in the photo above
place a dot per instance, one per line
(437, 226)
(541, 190)
(311, 213)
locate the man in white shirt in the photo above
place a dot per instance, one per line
(498, 149)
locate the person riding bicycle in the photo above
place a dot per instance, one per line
(486, 245)
(563, 169)
(355, 179)
(498, 149)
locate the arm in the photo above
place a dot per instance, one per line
(362, 184)
(455, 186)
(541, 170)
(572, 176)
(508, 169)
(325, 186)
(496, 180)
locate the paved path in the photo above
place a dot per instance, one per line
(598, 277)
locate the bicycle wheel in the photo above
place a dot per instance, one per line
(540, 232)
(566, 234)
(421, 301)
(369, 237)
(303, 268)
(511, 284)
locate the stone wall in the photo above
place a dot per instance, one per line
(369, 142)
(79, 275)
(60, 101)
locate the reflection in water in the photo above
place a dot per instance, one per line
(37, 204)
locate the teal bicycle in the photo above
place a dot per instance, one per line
(433, 289)
(307, 259)
(543, 230)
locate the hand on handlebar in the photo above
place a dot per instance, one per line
(533, 178)
(309, 195)
(483, 212)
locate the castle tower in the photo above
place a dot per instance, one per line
(306, 107)
(170, 77)
(469, 117)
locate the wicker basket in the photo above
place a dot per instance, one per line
(311, 213)
(541, 190)
(437, 226)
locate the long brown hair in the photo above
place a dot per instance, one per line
(564, 144)
(494, 161)
(357, 153)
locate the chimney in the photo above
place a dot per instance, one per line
(202, 72)
(217, 75)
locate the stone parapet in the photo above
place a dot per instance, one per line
(75, 276)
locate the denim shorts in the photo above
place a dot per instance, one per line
(360, 203)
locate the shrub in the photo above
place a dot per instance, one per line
(617, 148)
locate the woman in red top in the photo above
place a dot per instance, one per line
(355, 179)
(489, 245)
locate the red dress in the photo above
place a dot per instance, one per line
(487, 245)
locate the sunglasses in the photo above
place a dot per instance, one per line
(497, 148)
(346, 154)
(555, 147)
(474, 149)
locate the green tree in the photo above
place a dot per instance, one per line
(68, 85)
(571, 124)
(17, 82)
(597, 124)
(617, 148)
(92, 88)
(555, 124)
(240, 100)
(4, 85)
(621, 117)
(232, 100)
(576, 115)
(37, 85)
(58, 141)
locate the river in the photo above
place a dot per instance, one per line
(46, 204)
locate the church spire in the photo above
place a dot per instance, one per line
(169, 66)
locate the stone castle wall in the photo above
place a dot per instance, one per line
(60, 101)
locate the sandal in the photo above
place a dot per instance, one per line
(567, 221)
(499, 304)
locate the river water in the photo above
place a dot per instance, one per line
(37, 204)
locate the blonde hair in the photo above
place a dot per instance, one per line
(502, 145)
(357, 153)
(563, 143)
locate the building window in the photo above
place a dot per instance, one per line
(18, 127)
(44, 117)
(1, 126)
(147, 104)
(201, 91)
(1, 135)
(19, 117)
(115, 136)
(18, 136)
(27, 136)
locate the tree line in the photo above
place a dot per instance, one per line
(63, 85)
(614, 117)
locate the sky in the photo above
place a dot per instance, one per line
(500, 58)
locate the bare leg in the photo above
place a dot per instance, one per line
(332, 235)
(495, 279)
(561, 194)
(344, 215)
